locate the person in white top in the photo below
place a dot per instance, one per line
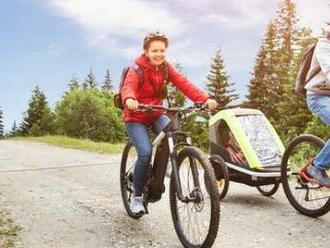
(318, 101)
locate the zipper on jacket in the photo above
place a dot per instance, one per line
(157, 74)
(157, 79)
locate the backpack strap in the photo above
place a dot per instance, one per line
(314, 71)
(140, 73)
(317, 69)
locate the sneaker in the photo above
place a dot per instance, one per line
(136, 205)
(319, 176)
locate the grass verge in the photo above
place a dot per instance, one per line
(81, 144)
(8, 230)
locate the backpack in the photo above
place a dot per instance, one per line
(118, 100)
(304, 67)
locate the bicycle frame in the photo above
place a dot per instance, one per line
(171, 133)
(174, 145)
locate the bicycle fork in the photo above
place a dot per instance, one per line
(175, 169)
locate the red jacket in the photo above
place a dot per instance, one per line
(154, 78)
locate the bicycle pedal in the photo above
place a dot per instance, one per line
(307, 178)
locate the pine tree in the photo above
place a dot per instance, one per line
(107, 83)
(73, 84)
(258, 86)
(38, 119)
(218, 85)
(293, 109)
(90, 81)
(287, 32)
(287, 38)
(14, 130)
(1, 125)
(264, 77)
(176, 98)
(272, 74)
(85, 85)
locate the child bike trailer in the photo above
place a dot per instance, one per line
(245, 148)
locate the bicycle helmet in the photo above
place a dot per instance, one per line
(154, 36)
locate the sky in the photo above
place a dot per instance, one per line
(46, 42)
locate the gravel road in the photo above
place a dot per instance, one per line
(68, 198)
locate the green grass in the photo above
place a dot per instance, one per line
(81, 144)
(8, 230)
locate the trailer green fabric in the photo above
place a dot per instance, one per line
(257, 138)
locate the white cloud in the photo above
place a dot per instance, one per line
(119, 25)
(112, 24)
(196, 28)
(238, 14)
(232, 23)
(124, 17)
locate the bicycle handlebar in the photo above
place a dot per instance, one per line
(196, 106)
(148, 107)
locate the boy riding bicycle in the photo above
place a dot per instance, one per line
(318, 101)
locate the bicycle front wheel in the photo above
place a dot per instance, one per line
(306, 197)
(196, 220)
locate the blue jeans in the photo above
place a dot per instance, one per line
(139, 136)
(320, 105)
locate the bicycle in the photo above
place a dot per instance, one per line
(305, 195)
(195, 211)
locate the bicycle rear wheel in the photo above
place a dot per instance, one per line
(128, 160)
(196, 221)
(306, 197)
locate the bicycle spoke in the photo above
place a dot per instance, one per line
(194, 216)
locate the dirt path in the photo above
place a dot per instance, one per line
(68, 198)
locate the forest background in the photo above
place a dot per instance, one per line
(86, 109)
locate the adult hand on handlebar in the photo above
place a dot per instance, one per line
(211, 104)
(132, 104)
